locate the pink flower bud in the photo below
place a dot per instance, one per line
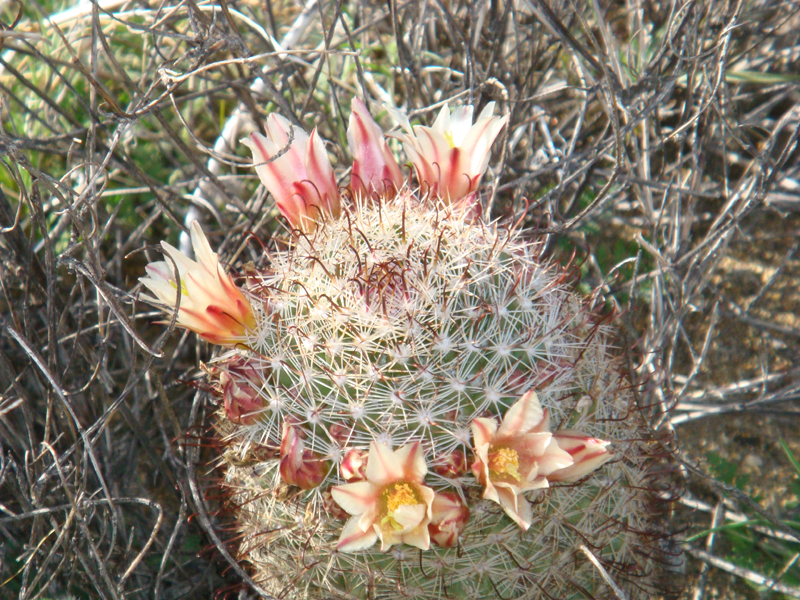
(588, 453)
(241, 384)
(340, 434)
(298, 174)
(354, 465)
(449, 517)
(375, 171)
(299, 466)
(451, 465)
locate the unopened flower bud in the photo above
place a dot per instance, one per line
(449, 517)
(300, 466)
(241, 398)
(453, 464)
(354, 465)
(341, 434)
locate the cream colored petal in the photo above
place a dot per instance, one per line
(355, 498)
(442, 121)
(433, 146)
(366, 520)
(479, 142)
(483, 430)
(160, 271)
(206, 257)
(427, 497)
(516, 507)
(279, 129)
(382, 465)
(444, 506)
(401, 117)
(553, 459)
(387, 536)
(589, 454)
(460, 123)
(183, 262)
(409, 516)
(418, 537)
(525, 414)
(412, 461)
(165, 292)
(487, 112)
(353, 539)
(489, 490)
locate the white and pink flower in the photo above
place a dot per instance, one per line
(298, 173)
(521, 455)
(375, 170)
(210, 303)
(392, 505)
(451, 156)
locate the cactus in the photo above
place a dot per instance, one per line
(415, 404)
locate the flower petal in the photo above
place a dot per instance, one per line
(460, 123)
(419, 537)
(374, 167)
(382, 466)
(210, 305)
(588, 454)
(483, 430)
(353, 539)
(412, 459)
(356, 498)
(517, 507)
(524, 415)
(409, 516)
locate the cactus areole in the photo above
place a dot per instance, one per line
(444, 415)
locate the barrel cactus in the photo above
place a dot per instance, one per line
(413, 402)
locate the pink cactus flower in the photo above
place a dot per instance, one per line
(300, 466)
(298, 174)
(375, 171)
(588, 454)
(241, 383)
(451, 156)
(448, 520)
(516, 457)
(210, 304)
(392, 505)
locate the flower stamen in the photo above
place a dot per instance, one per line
(505, 461)
(397, 495)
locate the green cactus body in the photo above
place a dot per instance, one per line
(401, 322)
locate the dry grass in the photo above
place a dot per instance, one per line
(657, 140)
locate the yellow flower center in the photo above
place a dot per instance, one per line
(448, 135)
(184, 291)
(397, 495)
(505, 461)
